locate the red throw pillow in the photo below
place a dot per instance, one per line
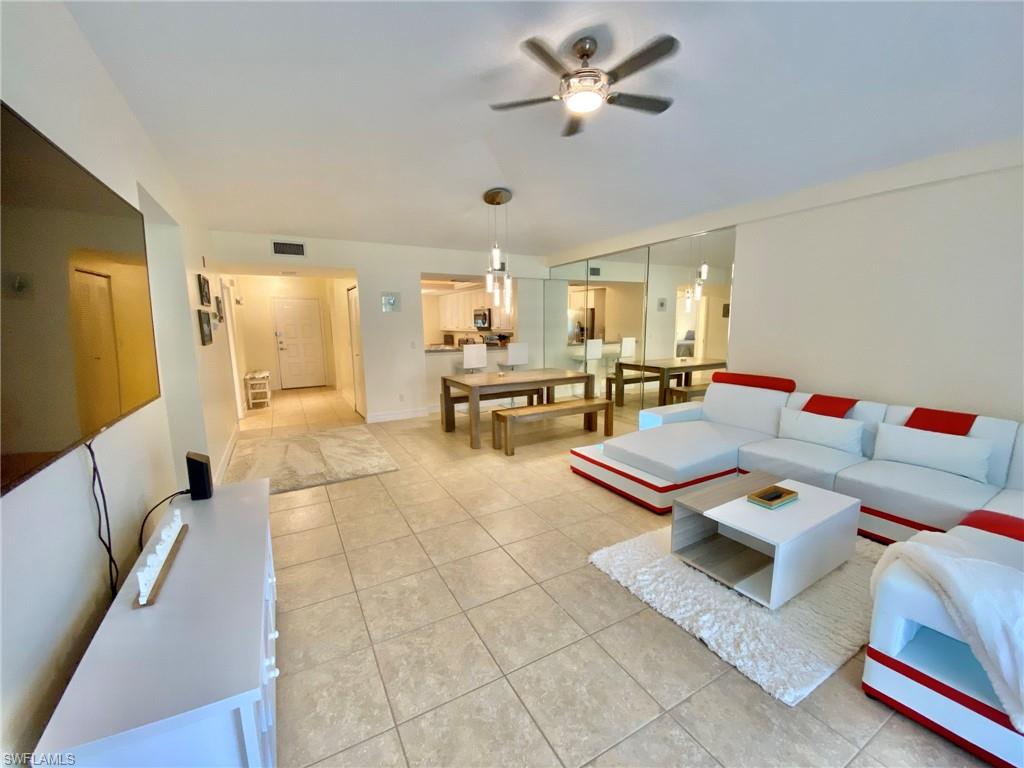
(754, 380)
(830, 405)
(949, 422)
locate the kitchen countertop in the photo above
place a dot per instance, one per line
(442, 349)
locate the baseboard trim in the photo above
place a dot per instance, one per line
(222, 465)
(411, 413)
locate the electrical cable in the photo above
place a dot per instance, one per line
(153, 508)
(103, 516)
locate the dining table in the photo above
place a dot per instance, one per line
(475, 385)
(665, 368)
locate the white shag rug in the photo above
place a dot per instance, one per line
(790, 651)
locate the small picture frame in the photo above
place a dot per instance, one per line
(390, 302)
(205, 327)
(204, 290)
(219, 302)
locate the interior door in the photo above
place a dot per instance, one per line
(714, 330)
(300, 343)
(356, 345)
(96, 371)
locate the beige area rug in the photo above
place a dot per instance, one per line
(314, 458)
(788, 652)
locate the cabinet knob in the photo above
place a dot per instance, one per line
(273, 672)
(275, 634)
(272, 580)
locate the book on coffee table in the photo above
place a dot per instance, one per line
(772, 497)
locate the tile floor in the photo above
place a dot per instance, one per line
(445, 615)
(296, 410)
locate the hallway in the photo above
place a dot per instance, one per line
(294, 411)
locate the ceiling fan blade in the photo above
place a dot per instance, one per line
(645, 103)
(542, 53)
(574, 126)
(654, 51)
(523, 103)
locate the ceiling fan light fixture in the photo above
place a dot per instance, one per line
(584, 91)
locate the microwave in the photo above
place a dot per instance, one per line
(482, 319)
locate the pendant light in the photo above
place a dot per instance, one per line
(498, 279)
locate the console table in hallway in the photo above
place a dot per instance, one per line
(477, 384)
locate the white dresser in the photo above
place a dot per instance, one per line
(191, 679)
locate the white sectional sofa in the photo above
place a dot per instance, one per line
(918, 663)
(682, 445)
(908, 477)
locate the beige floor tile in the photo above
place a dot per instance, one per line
(372, 529)
(592, 599)
(598, 533)
(409, 476)
(548, 555)
(666, 660)
(454, 542)
(582, 701)
(431, 665)
(564, 510)
(312, 582)
(301, 519)
(326, 708)
(514, 524)
(483, 501)
(522, 627)
(417, 493)
(367, 503)
(662, 744)
(841, 704)
(406, 604)
(639, 519)
(487, 727)
(386, 561)
(761, 731)
(864, 760)
(605, 501)
(486, 576)
(294, 548)
(320, 632)
(358, 487)
(301, 498)
(902, 743)
(535, 489)
(383, 751)
(434, 514)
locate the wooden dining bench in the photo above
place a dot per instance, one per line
(503, 420)
(685, 394)
(531, 395)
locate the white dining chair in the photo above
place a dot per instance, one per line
(627, 348)
(474, 357)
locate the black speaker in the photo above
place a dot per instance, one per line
(200, 477)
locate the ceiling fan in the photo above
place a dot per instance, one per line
(585, 89)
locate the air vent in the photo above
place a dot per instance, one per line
(595, 271)
(282, 248)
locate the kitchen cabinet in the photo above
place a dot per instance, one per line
(456, 311)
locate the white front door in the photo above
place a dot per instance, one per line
(300, 344)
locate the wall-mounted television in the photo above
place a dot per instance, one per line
(76, 326)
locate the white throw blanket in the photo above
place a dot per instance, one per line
(984, 599)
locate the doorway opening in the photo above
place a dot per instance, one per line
(293, 333)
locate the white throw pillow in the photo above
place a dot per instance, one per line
(841, 434)
(959, 455)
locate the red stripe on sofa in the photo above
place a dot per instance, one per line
(930, 724)
(829, 405)
(995, 522)
(949, 422)
(754, 380)
(652, 486)
(624, 494)
(941, 688)
(897, 519)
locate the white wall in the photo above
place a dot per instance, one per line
(392, 341)
(342, 339)
(913, 296)
(53, 568)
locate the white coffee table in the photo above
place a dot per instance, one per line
(769, 555)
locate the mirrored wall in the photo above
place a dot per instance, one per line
(645, 320)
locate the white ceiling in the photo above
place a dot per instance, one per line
(370, 121)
